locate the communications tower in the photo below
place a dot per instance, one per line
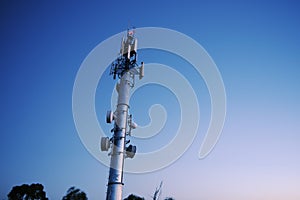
(124, 68)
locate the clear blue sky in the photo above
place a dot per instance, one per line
(256, 46)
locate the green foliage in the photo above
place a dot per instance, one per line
(75, 194)
(27, 192)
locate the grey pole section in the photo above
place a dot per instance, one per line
(125, 68)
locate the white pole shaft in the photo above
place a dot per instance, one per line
(115, 182)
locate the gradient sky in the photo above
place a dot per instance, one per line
(256, 46)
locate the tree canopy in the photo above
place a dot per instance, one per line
(134, 197)
(75, 194)
(36, 191)
(28, 192)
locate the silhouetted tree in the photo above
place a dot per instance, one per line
(28, 192)
(75, 194)
(169, 198)
(134, 197)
